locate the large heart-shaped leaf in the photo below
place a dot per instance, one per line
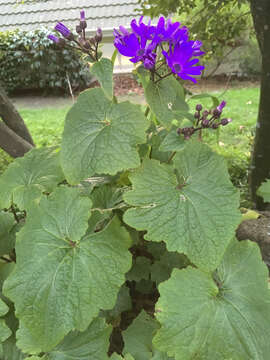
(191, 205)
(103, 71)
(224, 316)
(91, 344)
(166, 99)
(138, 336)
(106, 137)
(26, 178)
(68, 277)
(7, 237)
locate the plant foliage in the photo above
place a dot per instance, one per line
(122, 244)
(28, 60)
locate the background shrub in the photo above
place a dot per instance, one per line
(28, 60)
(251, 60)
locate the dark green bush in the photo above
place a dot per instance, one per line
(238, 167)
(28, 60)
(251, 61)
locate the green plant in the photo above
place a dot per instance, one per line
(124, 239)
(251, 59)
(28, 60)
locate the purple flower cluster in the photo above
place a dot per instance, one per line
(142, 44)
(205, 120)
(80, 41)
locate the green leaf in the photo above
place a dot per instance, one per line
(140, 269)
(165, 98)
(123, 303)
(191, 205)
(5, 331)
(105, 199)
(103, 71)
(68, 278)
(161, 270)
(264, 191)
(225, 317)
(10, 350)
(160, 356)
(214, 99)
(26, 178)
(138, 336)
(118, 357)
(106, 136)
(3, 308)
(173, 142)
(156, 139)
(7, 238)
(91, 344)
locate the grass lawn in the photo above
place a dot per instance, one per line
(234, 140)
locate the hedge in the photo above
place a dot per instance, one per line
(28, 60)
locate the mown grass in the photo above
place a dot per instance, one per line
(234, 141)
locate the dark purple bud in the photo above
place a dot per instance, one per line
(225, 121)
(205, 113)
(53, 38)
(85, 44)
(216, 113)
(78, 29)
(205, 123)
(215, 126)
(188, 132)
(199, 107)
(179, 131)
(197, 115)
(98, 36)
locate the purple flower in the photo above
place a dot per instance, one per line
(82, 15)
(53, 38)
(179, 59)
(128, 44)
(221, 106)
(169, 31)
(145, 32)
(63, 30)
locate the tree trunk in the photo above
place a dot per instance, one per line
(15, 138)
(12, 143)
(260, 165)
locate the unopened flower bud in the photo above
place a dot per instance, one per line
(86, 44)
(205, 123)
(197, 115)
(215, 126)
(225, 121)
(179, 131)
(78, 29)
(83, 23)
(92, 41)
(98, 36)
(205, 113)
(188, 132)
(199, 107)
(216, 113)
